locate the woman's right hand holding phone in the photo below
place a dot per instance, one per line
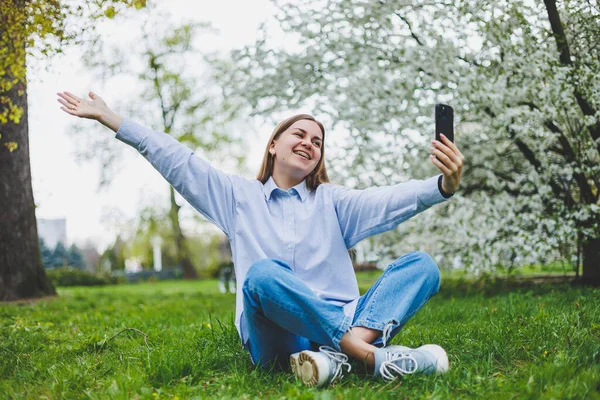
(94, 108)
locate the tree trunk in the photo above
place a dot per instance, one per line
(22, 274)
(189, 272)
(591, 261)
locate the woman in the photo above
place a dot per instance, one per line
(290, 231)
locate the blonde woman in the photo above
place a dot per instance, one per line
(298, 303)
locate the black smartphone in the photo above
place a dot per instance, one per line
(444, 122)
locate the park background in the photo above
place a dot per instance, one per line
(518, 244)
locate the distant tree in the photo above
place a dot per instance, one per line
(75, 257)
(41, 29)
(115, 255)
(174, 101)
(46, 253)
(60, 256)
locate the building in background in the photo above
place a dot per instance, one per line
(52, 231)
(91, 256)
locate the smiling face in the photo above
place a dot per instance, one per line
(297, 150)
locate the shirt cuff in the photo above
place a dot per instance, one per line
(442, 191)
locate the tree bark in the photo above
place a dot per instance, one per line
(189, 272)
(591, 261)
(22, 273)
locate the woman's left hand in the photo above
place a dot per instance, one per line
(446, 156)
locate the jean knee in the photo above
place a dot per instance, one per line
(260, 274)
(429, 268)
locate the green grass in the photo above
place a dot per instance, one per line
(532, 341)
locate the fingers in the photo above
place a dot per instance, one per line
(66, 104)
(440, 165)
(451, 145)
(71, 95)
(444, 149)
(445, 155)
(442, 157)
(67, 100)
(447, 151)
(69, 111)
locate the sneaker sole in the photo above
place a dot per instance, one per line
(311, 369)
(442, 363)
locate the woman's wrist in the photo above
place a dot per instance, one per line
(110, 119)
(443, 189)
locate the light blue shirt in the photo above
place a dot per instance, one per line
(309, 230)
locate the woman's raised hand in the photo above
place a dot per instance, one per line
(81, 107)
(92, 108)
(446, 156)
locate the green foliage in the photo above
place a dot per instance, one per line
(76, 277)
(152, 222)
(41, 29)
(177, 101)
(540, 341)
(181, 101)
(206, 254)
(114, 256)
(214, 269)
(203, 250)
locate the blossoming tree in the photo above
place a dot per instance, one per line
(523, 77)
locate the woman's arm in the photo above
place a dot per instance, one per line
(363, 213)
(368, 212)
(207, 189)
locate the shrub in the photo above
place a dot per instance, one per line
(76, 277)
(213, 270)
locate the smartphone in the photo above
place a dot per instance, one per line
(444, 122)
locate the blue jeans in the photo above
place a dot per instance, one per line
(282, 315)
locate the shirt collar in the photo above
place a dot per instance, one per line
(270, 186)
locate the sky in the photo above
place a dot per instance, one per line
(67, 188)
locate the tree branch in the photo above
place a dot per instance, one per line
(569, 154)
(565, 59)
(530, 156)
(412, 33)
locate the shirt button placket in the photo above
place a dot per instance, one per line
(288, 229)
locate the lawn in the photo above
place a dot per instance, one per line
(504, 339)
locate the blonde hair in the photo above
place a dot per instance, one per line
(317, 176)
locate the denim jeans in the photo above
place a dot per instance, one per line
(282, 315)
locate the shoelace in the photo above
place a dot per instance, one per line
(387, 331)
(390, 369)
(340, 360)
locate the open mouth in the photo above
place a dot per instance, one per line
(302, 154)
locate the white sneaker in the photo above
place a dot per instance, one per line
(319, 368)
(394, 361)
